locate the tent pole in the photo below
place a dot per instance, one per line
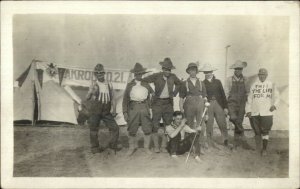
(33, 92)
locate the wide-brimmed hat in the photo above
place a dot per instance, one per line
(207, 68)
(262, 71)
(99, 68)
(238, 64)
(192, 65)
(138, 68)
(167, 63)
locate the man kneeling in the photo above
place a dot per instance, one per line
(178, 143)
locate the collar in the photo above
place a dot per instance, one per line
(238, 78)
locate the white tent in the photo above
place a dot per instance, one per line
(35, 101)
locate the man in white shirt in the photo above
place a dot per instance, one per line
(262, 100)
(179, 143)
(136, 109)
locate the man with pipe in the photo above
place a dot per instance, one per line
(192, 99)
(263, 100)
(136, 109)
(101, 107)
(179, 143)
(236, 92)
(162, 101)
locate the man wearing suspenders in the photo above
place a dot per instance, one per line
(192, 99)
(237, 92)
(102, 107)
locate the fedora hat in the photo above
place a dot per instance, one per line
(138, 68)
(99, 68)
(238, 64)
(167, 63)
(192, 65)
(207, 68)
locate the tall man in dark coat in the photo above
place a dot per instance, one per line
(136, 109)
(218, 108)
(162, 104)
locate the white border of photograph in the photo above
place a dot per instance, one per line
(8, 9)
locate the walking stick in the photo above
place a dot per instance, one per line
(202, 117)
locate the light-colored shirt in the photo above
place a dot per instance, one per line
(261, 97)
(193, 80)
(104, 96)
(165, 91)
(138, 92)
(186, 129)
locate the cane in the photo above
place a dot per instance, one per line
(205, 109)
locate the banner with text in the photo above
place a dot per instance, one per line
(80, 76)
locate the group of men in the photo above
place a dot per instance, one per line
(200, 103)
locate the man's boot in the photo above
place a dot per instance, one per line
(155, 142)
(147, 143)
(164, 142)
(264, 149)
(258, 143)
(132, 145)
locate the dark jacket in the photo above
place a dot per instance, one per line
(159, 83)
(215, 91)
(192, 90)
(126, 96)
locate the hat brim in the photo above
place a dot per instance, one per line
(234, 66)
(138, 72)
(98, 72)
(208, 70)
(187, 70)
(172, 68)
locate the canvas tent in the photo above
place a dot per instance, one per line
(38, 101)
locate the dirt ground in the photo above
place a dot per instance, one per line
(64, 152)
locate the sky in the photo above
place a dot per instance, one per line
(119, 41)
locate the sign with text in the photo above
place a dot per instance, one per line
(82, 77)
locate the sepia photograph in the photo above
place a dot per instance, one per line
(162, 95)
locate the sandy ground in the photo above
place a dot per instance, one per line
(64, 152)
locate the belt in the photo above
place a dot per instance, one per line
(194, 95)
(164, 98)
(137, 102)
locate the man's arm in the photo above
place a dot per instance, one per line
(113, 103)
(228, 86)
(225, 106)
(249, 102)
(182, 95)
(150, 78)
(178, 84)
(174, 133)
(126, 99)
(276, 98)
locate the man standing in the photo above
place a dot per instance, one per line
(263, 99)
(237, 92)
(192, 99)
(102, 107)
(136, 108)
(218, 105)
(179, 143)
(162, 104)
